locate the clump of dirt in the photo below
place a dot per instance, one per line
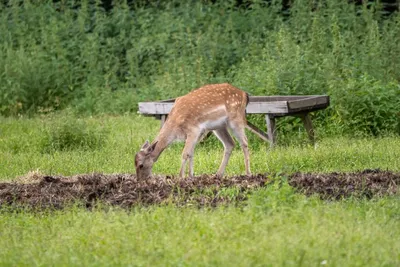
(122, 190)
(367, 183)
(126, 191)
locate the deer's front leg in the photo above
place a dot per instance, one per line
(191, 170)
(183, 167)
(187, 154)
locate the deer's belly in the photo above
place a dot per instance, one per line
(214, 124)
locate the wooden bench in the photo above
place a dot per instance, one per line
(271, 106)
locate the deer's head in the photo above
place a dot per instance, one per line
(144, 161)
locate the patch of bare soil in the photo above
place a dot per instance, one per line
(125, 191)
(367, 183)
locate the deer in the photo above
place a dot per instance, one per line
(213, 107)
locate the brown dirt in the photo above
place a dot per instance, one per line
(125, 191)
(367, 183)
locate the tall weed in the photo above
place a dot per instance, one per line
(71, 134)
(74, 53)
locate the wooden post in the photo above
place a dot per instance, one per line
(308, 125)
(251, 127)
(271, 129)
(163, 119)
(205, 135)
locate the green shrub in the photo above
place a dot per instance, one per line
(71, 134)
(367, 106)
(71, 54)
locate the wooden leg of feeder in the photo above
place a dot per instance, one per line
(271, 129)
(309, 128)
(205, 136)
(163, 118)
(251, 127)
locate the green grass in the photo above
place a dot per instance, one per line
(22, 142)
(275, 227)
(305, 233)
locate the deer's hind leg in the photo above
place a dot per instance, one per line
(227, 140)
(238, 129)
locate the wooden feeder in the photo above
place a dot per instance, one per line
(271, 106)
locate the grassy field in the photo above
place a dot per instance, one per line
(275, 227)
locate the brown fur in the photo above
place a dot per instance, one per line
(214, 107)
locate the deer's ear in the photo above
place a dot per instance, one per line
(145, 145)
(152, 147)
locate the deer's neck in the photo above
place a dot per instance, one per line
(164, 139)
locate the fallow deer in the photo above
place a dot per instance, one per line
(214, 107)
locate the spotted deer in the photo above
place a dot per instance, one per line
(214, 107)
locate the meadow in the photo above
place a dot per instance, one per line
(275, 226)
(72, 73)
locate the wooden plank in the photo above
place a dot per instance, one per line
(267, 107)
(254, 129)
(260, 98)
(277, 98)
(299, 111)
(171, 100)
(155, 107)
(308, 102)
(252, 108)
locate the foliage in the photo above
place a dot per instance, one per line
(72, 133)
(76, 54)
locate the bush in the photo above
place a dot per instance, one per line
(365, 106)
(71, 134)
(68, 54)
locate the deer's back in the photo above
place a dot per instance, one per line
(209, 106)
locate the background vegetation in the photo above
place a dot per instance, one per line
(276, 226)
(75, 54)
